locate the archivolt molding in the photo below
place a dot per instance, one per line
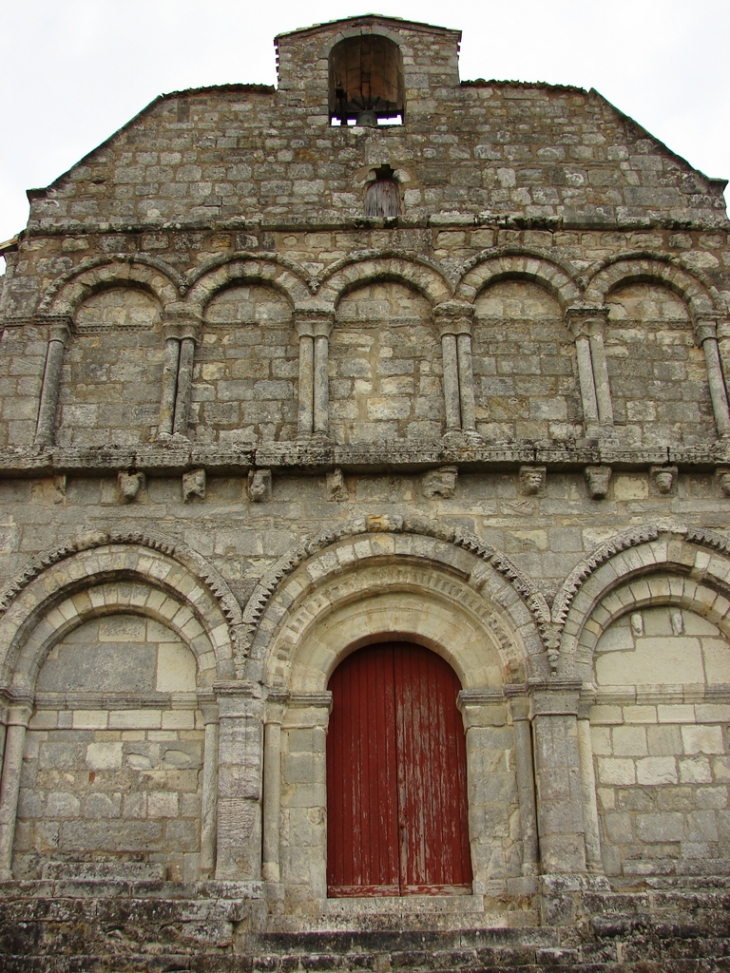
(146, 557)
(491, 266)
(649, 266)
(644, 592)
(270, 270)
(155, 276)
(702, 554)
(112, 597)
(371, 266)
(452, 549)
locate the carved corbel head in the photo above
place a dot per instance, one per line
(664, 478)
(598, 479)
(532, 480)
(129, 485)
(440, 484)
(336, 488)
(259, 486)
(723, 476)
(193, 485)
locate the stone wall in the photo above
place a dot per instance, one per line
(246, 430)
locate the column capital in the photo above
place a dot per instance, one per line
(706, 328)
(453, 317)
(558, 697)
(586, 320)
(314, 320)
(180, 329)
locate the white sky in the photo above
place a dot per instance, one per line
(73, 71)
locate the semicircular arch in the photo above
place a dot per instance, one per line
(157, 578)
(689, 567)
(330, 595)
(117, 270)
(360, 270)
(491, 267)
(623, 270)
(247, 269)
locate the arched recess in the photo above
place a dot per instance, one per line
(647, 630)
(385, 366)
(245, 268)
(490, 267)
(625, 269)
(117, 270)
(663, 319)
(125, 638)
(360, 590)
(372, 267)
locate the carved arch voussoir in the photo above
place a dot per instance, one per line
(269, 270)
(156, 277)
(372, 266)
(484, 569)
(148, 557)
(699, 295)
(638, 552)
(508, 263)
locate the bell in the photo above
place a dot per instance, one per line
(367, 119)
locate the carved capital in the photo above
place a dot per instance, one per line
(586, 320)
(314, 320)
(60, 332)
(454, 317)
(706, 328)
(723, 475)
(182, 329)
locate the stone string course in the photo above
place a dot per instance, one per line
(246, 429)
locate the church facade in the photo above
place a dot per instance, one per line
(364, 531)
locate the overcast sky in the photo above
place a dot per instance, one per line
(73, 71)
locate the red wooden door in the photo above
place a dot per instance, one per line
(396, 776)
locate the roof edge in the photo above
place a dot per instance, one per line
(367, 19)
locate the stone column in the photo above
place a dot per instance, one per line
(723, 344)
(588, 326)
(588, 787)
(210, 791)
(707, 336)
(169, 384)
(17, 722)
(45, 426)
(240, 749)
(558, 777)
(454, 322)
(276, 704)
(313, 326)
(520, 711)
(182, 334)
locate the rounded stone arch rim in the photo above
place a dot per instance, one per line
(74, 280)
(349, 32)
(524, 593)
(281, 275)
(565, 292)
(657, 268)
(228, 625)
(660, 550)
(73, 620)
(382, 266)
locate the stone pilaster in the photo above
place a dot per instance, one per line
(708, 338)
(588, 326)
(313, 326)
(454, 322)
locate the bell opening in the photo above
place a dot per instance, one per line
(366, 85)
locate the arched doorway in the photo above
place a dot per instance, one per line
(396, 776)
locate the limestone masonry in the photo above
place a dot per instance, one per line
(373, 365)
